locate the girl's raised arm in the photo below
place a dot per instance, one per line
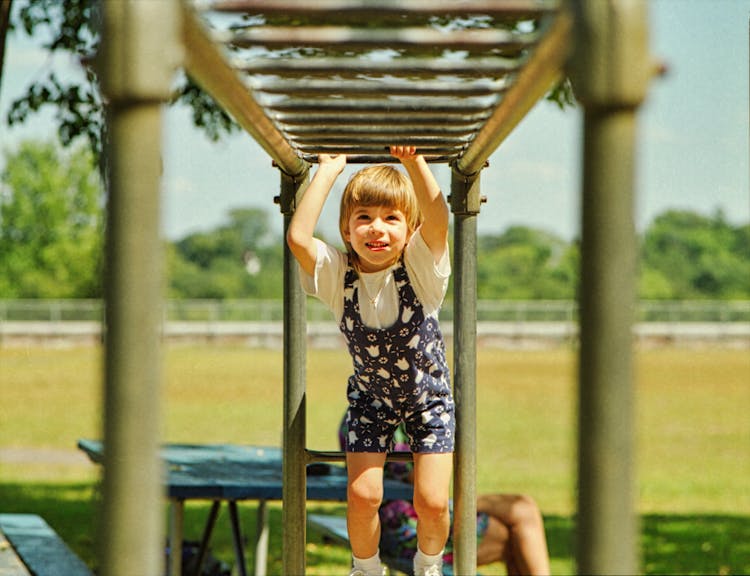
(434, 209)
(301, 228)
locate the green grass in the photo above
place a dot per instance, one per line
(693, 441)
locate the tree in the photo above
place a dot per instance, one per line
(70, 26)
(5, 6)
(239, 259)
(687, 255)
(73, 26)
(51, 224)
(524, 263)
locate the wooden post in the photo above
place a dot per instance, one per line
(610, 71)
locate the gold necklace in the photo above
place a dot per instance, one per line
(375, 299)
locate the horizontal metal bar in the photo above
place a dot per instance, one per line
(338, 456)
(379, 87)
(540, 73)
(367, 148)
(207, 66)
(326, 36)
(403, 137)
(387, 118)
(515, 8)
(434, 105)
(385, 158)
(366, 130)
(376, 159)
(465, 67)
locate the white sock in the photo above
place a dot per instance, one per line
(369, 565)
(423, 561)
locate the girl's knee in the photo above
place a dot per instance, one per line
(364, 496)
(430, 505)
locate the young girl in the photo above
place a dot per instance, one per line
(386, 291)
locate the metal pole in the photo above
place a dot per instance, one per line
(610, 74)
(294, 491)
(140, 51)
(465, 201)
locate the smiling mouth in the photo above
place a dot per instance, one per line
(376, 245)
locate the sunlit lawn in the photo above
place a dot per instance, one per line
(693, 439)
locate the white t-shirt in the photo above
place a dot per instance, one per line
(377, 292)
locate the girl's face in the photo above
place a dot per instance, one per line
(378, 234)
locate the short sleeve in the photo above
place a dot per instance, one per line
(428, 277)
(327, 282)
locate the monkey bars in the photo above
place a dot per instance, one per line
(353, 76)
(369, 74)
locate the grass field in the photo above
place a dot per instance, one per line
(693, 441)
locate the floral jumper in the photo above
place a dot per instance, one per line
(400, 375)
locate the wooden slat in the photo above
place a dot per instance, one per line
(10, 564)
(38, 545)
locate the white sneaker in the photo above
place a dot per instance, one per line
(434, 570)
(360, 572)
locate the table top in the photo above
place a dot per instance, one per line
(239, 472)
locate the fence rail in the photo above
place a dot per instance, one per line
(272, 311)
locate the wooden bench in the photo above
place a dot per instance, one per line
(38, 546)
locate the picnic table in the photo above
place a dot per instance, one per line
(29, 546)
(231, 473)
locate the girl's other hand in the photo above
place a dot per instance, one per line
(404, 153)
(336, 162)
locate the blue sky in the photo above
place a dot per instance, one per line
(693, 139)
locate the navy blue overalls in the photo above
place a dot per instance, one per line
(400, 374)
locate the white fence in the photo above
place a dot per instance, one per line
(258, 322)
(271, 311)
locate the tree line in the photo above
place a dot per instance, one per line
(52, 220)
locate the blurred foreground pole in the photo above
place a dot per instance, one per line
(610, 73)
(139, 53)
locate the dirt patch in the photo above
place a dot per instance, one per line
(43, 456)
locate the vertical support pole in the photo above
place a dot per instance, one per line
(139, 53)
(465, 201)
(261, 539)
(610, 74)
(176, 534)
(294, 491)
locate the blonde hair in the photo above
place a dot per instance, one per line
(379, 185)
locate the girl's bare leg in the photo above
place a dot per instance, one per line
(432, 477)
(364, 495)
